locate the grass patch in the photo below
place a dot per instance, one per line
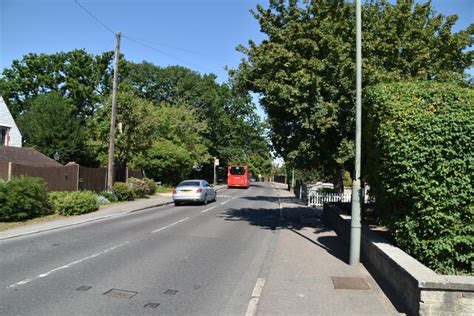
(165, 188)
(9, 225)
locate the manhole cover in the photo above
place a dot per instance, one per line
(151, 305)
(120, 293)
(84, 288)
(350, 283)
(170, 292)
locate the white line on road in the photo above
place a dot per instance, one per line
(257, 291)
(172, 224)
(225, 202)
(208, 209)
(67, 265)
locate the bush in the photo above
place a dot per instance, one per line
(418, 159)
(73, 203)
(139, 187)
(23, 198)
(109, 196)
(102, 200)
(123, 192)
(151, 186)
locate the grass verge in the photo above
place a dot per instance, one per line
(9, 225)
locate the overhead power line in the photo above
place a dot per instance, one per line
(94, 17)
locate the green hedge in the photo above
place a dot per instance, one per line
(151, 184)
(418, 153)
(123, 191)
(23, 198)
(73, 203)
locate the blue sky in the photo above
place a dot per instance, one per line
(198, 34)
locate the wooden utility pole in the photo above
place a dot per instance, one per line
(113, 116)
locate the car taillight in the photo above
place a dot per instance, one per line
(199, 190)
(174, 191)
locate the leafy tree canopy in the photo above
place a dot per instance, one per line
(136, 121)
(76, 75)
(304, 70)
(50, 126)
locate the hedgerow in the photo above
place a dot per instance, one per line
(418, 153)
(73, 203)
(23, 198)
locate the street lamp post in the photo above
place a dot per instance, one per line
(354, 257)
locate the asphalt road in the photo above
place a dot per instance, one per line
(186, 260)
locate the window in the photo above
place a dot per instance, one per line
(237, 171)
(189, 184)
(4, 135)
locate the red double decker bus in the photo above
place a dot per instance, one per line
(238, 176)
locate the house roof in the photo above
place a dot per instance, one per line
(25, 156)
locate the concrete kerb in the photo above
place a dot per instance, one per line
(92, 219)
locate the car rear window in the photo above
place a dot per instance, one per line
(189, 184)
(237, 171)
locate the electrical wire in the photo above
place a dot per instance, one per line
(94, 17)
(142, 43)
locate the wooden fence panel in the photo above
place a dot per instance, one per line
(94, 179)
(135, 174)
(63, 178)
(4, 170)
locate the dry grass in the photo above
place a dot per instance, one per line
(48, 218)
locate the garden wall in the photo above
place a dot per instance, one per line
(421, 290)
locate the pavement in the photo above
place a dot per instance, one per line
(306, 273)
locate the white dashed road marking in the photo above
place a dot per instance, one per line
(172, 224)
(67, 265)
(208, 209)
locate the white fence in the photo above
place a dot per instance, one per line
(317, 199)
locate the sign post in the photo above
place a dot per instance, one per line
(216, 163)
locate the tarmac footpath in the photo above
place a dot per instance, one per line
(309, 273)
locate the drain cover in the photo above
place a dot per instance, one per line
(120, 293)
(151, 305)
(84, 288)
(170, 292)
(348, 283)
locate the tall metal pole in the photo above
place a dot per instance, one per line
(354, 257)
(113, 115)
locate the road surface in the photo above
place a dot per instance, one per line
(192, 259)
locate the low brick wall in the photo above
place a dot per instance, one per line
(422, 291)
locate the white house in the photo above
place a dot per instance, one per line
(9, 133)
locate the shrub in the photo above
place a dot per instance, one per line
(139, 187)
(23, 198)
(419, 161)
(151, 185)
(123, 192)
(109, 196)
(102, 200)
(73, 203)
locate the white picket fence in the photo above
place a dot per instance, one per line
(317, 199)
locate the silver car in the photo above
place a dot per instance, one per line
(199, 191)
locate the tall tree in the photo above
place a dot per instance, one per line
(234, 131)
(178, 144)
(305, 69)
(50, 126)
(76, 75)
(136, 119)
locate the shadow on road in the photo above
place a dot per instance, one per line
(294, 219)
